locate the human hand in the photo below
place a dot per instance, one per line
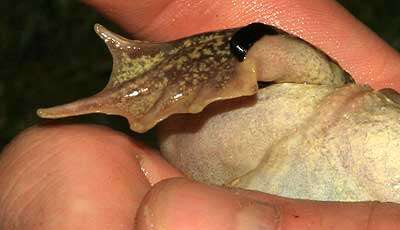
(90, 177)
(64, 177)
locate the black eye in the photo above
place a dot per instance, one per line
(245, 37)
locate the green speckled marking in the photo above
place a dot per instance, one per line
(133, 67)
(151, 81)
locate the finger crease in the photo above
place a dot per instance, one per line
(278, 217)
(372, 209)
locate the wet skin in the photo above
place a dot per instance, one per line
(311, 133)
(367, 58)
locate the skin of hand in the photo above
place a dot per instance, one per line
(91, 177)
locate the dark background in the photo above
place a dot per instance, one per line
(49, 55)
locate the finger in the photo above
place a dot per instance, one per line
(70, 177)
(351, 215)
(323, 23)
(182, 204)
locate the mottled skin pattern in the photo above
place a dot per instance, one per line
(151, 81)
(312, 133)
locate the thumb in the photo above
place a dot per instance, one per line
(183, 204)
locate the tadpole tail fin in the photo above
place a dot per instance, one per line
(135, 48)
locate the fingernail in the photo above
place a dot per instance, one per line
(143, 168)
(256, 215)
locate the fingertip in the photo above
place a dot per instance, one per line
(183, 204)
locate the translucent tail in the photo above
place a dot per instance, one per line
(92, 104)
